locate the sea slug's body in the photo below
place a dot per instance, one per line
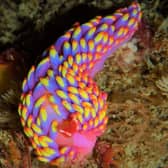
(61, 109)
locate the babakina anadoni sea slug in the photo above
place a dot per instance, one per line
(62, 109)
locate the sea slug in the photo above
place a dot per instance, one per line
(62, 109)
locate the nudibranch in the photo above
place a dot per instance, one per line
(62, 109)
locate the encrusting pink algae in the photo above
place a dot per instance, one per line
(62, 109)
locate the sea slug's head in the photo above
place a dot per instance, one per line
(82, 140)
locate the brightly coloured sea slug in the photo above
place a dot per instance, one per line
(62, 109)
